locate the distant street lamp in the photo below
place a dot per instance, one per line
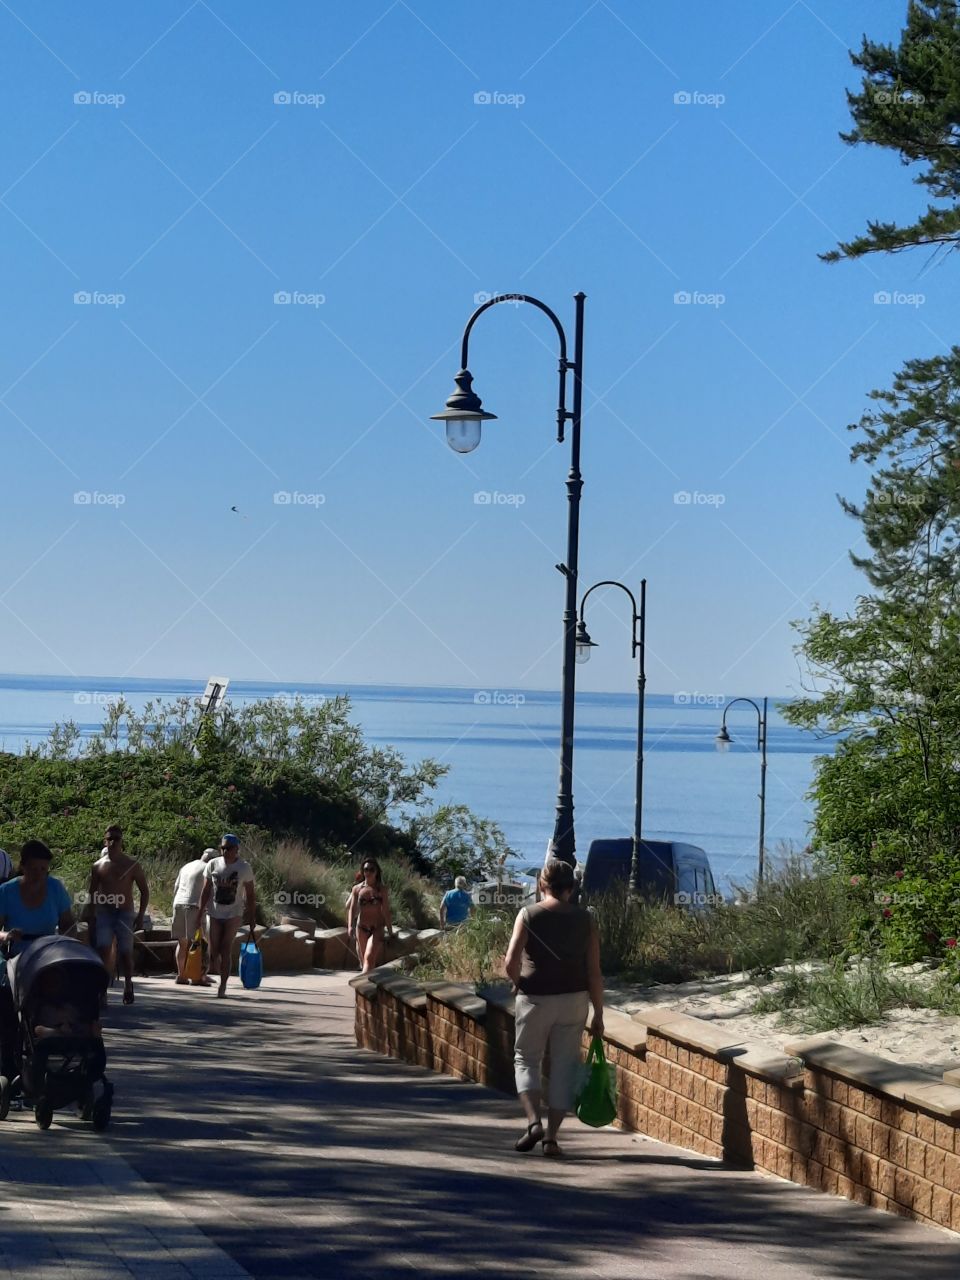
(724, 742)
(464, 417)
(637, 650)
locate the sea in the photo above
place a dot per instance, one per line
(500, 748)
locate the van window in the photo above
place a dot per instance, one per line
(686, 879)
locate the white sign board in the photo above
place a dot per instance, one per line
(214, 694)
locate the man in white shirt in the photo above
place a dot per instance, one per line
(186, 910)
(227, 895)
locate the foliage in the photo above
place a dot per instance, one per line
(837, 996)
(474, 952)
(910, 103)
(294, 778)
(458, 843)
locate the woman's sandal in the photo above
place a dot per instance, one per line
(128, 996)
(551, 1149)
(527, 1141)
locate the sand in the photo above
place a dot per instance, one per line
(921, 1038)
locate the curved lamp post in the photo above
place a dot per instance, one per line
(637, 650)
(724, 742)
(464, 416)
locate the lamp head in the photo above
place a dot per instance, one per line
(723, 741)
(464, 415)
(584, 643)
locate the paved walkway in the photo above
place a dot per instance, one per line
(252, 1137)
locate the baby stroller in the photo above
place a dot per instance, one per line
(57, 984)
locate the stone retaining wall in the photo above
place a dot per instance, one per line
(820, 1114)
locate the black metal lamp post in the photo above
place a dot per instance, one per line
(464, 416)
(724, 742)
(637, 650)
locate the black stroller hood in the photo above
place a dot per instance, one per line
(73, 960)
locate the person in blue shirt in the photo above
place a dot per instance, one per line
(456, 905)
(32, 905)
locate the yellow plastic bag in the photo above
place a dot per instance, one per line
(193, 968)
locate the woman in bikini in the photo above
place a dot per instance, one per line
(368, 914)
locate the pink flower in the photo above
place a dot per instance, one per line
(887, 913)
(231, 787)
(951, 942)
(167, 775)
(898, 875)
(855, 879)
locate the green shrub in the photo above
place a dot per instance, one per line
(837, 996)
(474, 953)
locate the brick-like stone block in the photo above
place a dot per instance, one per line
(926, 1127)
(951, 1172)
(847, 1125)
(944, 1134)
(916, 1153)
(870, 1171)
(897, 1148)
(933, 1164)
(871, 1105)
(941, 1206)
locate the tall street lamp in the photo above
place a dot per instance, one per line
(637, 650)
(724, 742)
(464, 417)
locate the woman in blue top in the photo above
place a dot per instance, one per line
(33, 905)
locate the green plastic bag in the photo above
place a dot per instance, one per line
(597, 1103)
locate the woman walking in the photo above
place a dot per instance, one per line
(33, 905)
(368, 914)
(554, 962)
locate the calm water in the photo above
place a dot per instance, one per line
(500, 746)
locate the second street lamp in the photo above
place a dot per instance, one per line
(724, 742)
(464, 417)
(637, 650)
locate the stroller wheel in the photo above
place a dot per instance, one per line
(86, 1107)
(4, 1097)
(43, 1114)
(101, 1114)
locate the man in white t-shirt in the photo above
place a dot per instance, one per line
(186, 910)
(227, 895)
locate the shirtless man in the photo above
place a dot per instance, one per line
(112, 882)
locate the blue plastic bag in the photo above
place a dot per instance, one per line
(251, 965)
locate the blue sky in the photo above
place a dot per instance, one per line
(386, 208)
